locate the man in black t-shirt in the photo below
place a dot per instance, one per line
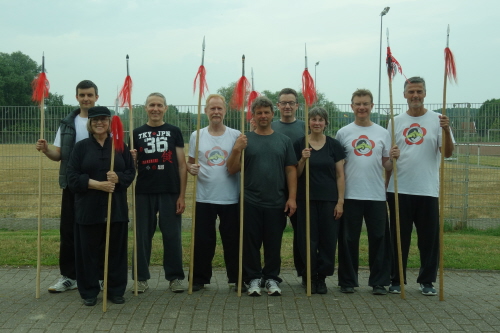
(160, 189)
(269, 163)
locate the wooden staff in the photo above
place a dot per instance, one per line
(449, 73)
(40, 90)
(238, 102)
(125, 97)
(309, 92)
(202, 85)
(392, 68)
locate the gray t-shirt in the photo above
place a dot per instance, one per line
(266, 157)
(294, 130)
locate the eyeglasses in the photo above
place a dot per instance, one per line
(362, 104)
(285, 103)
(101, 119)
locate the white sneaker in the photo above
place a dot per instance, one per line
(63, 284)
(176, 286)
(142, 286)
(254, 288)
(101, 284)
(272, 288)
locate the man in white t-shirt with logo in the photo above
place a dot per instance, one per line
(368, 150)
(418, 134)
(72, 129)
(217, 194)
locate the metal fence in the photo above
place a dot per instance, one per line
(472, 174)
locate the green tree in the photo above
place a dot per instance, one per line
(487, 114)
(17, 71)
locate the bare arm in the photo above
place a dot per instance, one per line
(444, 122)
(181, 159)
(192, 168)
(234, 160)
(339, 171)
(53, 154)
(306, 153)
(291, 180)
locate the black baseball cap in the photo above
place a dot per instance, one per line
(98, 111)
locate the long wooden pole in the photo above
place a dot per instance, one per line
(308, 205)
(195, 182)
(108, 229)
(39, 236)
(441, 198)
(242, 189)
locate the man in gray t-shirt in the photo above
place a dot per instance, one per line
(270, 162)
(289, 125)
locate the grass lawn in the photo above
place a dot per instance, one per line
(464, 249)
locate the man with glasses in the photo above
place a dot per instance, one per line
(72, 129)
(292, 127)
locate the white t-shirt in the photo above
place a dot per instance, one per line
(215, 184)
(418, 139)
(364, 148)
(81, 131)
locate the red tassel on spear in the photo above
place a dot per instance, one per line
(449, 61)
(240, 90)
(253, 95)
(308, 88)
(40, 85)
(202, 75)
(117, 134)
(126, 91)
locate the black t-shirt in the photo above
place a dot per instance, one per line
(322, 172)
(157, 165)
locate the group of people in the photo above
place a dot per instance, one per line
(346, 186)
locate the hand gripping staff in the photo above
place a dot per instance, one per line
(450, 73)
(393, 67)
(201, 74)
(41, 88)
(238, 103)
(125, 97)
(310, 97)
(116, 145)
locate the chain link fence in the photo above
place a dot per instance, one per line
(472, 174)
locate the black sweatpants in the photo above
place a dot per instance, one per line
(262, 226)
(423, 211)
(67, 235)
(90, 241)
(206, 237)
(379, 242)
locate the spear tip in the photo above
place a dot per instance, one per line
(127, 57)
(243, 57)
(203, 43)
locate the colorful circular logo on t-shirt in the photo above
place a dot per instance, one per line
(363, 146)
(414, 135)
(216, 156)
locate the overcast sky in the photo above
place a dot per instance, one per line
(89, 39)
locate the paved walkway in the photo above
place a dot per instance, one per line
(472, 304)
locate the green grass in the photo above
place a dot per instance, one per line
(464, 249)
(492, 161)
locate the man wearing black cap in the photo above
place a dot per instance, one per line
(72, 129)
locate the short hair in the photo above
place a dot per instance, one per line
(215, 96)
(288, 91)
(86, 84)
(262, 102)
(361, 93)
(156, 94)
(319, 111)
(414, 79)
(89, 127)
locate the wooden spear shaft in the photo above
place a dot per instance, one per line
(308, 205)
(441, 199)
(39, 236)
(195, 184)
(396, 198)
(108, 230)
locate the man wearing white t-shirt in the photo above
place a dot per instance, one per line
(418, 134)
(368, 150)
(217, 194)
(72, 129)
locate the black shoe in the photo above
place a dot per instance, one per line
(347, 290)
(379, 290)
(314, 285)
(321, 286)
(90, 301)
(244, 288)
(304, 281)
(117, 299)
(198, 286)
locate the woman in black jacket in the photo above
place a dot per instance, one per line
(89, 176)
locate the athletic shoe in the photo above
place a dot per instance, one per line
(101, 284)
(142, 286)
(176, 286)
(63, 284)
(379, 290)
(427, 289)
(254, 288)
(395, 289)
(272, 288)
(347, 290)
(320, 287)
(198, 286)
